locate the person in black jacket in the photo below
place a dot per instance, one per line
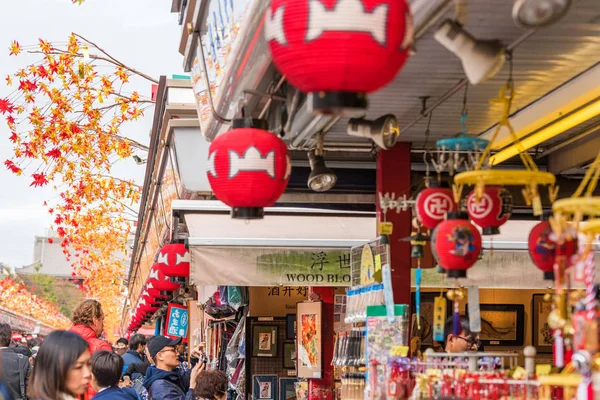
(16, 368)
(164, 381)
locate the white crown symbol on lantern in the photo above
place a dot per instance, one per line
(251, 161)
(210, 165)
(163, 259)
(153, 274)
(346, 16)
(274, 26)
(182, 258)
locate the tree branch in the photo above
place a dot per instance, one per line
(95, 57)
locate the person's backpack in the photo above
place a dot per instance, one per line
(23, 365)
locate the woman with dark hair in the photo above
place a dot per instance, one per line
(211, 385)
(62, 368)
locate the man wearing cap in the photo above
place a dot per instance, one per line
(163, 381)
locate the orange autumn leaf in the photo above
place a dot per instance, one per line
(15, 48)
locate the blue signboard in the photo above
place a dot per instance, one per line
(177, 321)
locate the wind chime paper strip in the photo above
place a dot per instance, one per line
(474, 314)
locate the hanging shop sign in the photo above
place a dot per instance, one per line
(221, 39)
(177, 322)
(252, 266)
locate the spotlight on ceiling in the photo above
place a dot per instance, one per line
(481, 59)
(321, 178)
(384, 131)
(531, 14)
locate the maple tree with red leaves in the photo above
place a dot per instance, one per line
(65, 117)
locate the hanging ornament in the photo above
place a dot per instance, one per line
(417, 241)
(432, 204)
(542, 248)
(457, 244)
(174, 261)
(248, 169)
(339, 50)
(491, 210)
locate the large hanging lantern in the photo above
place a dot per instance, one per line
(542, 248)
(457, 244)
(492, 210)
(248, 169)
(339, 50)
(174, 261)
(432, 204)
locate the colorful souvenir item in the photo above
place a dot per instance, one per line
(432, 204)
(457, 244)
(492, 210)
(542, 248)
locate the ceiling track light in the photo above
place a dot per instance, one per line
(530, 14)
(321, 178)
(481, 59)
(384, 131)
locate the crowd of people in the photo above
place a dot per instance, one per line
(79, 364)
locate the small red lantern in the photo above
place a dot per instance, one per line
(457, 244)
(492, 210)
(542, 248)
(339, 50)
(248, 169)
(148, 301)
(432, 204)
(174, 261)
(157, 280)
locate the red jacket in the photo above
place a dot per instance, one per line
(94, 344)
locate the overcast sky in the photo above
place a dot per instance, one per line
(141, 33)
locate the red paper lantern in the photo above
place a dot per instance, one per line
(432, 204)
(542, 248)
(149, 303)
(492, 210)
(248, 169)
(174, 260)
(157, 280)
(339, 50)
(457, 244)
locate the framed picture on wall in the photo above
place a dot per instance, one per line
(289, 355)
(542, 338)
(264, 340)
(290, 326)
(287, 389)
(309, 340)
(264, 387)
(501, 324)
(427, 308)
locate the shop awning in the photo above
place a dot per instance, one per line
(290, 246)
(310, 247)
